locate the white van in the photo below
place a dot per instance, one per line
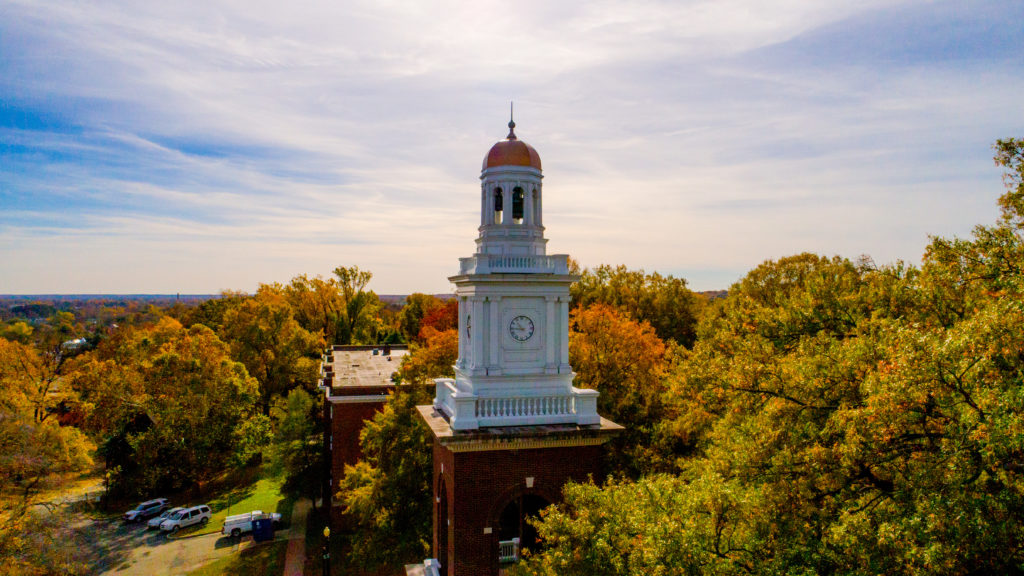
(186, 517)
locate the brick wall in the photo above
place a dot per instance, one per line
(344, 426)
(485, 482)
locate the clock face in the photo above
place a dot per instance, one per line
(521, 328)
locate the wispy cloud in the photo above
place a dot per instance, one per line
(186, 146)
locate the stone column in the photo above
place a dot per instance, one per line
(461, 362)
(551, 343)
(495, 340)
(477, 331)
(540, 208)
(527, 206)
(563, 313)
(484, 212)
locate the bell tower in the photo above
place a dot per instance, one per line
(513, 365)
(510, 429)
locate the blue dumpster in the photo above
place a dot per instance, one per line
(262, 529)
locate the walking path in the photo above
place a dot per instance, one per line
(295, 557)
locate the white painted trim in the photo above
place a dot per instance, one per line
(363, 399)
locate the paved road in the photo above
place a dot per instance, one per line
(131, 550)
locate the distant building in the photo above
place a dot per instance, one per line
(510, 429)
(356, 381)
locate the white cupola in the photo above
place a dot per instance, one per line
(510, 213)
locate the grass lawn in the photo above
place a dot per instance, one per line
(262, 494)
(262, 560)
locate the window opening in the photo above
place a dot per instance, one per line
(517, 205)
(497, 206)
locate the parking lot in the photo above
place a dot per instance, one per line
(130, 549)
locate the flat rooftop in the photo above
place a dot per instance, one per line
(362, 366)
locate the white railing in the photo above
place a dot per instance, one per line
(443, 394)
(508, 550)
(503, 263)
(467, 411)
(524, 406)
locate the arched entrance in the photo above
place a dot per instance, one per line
(514, 526)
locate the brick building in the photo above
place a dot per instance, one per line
(510, 429)
(356, 381)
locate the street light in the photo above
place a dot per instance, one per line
(327, 551)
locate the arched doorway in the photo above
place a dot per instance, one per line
(514, 525)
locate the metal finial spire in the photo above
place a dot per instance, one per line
(511, 122)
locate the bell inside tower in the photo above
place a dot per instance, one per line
(517, 205)
(498, 205)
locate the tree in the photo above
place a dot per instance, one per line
(434, 359)
(417, 306)
(211, 313)
(340, 309)
(357, 321)
(274, 348)
(169, 406)
(441, 319)
(317, 304)
(659, 525)
(35, 450)
(664, 302)
(298, 451)
(626, 362)
(844, 418)
(388, 493)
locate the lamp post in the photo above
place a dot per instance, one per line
(327, 551)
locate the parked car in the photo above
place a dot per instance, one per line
(239, 524)
(186, 517)
(145, 510)
(156, 521)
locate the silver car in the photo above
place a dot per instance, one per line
(156, 521)
(145, 510)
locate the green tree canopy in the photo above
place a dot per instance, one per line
(836, 417)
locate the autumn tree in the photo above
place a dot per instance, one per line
(417, 305)
(627, 363)
(435, 358)
(664, 302)
(33, 445)
(839, 417)
(169, 406)
(340, 309)
(357, 321)
(388, 492)
(211, 313)
(440, 319)
(275, 349)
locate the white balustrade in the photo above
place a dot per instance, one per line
(468, 411)
(504, 263)
(508, 551)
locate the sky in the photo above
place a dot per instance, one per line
(194, 147)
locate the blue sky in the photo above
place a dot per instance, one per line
(195, 147)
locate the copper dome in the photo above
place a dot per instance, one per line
(512, 152)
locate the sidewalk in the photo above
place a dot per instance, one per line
(295, 557)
